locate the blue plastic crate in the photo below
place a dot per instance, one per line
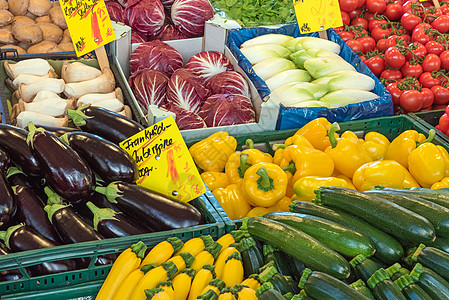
(294, 117)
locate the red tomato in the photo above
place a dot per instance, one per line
(447, 110)
(441, 24)
(409, 21)
(382, 45)
(363, 58)
(434, 47)
(420, 36)
(444, 123)
(411, 100)
(348, 5)
(376, 64)
(346, 35)
(431, 63)
(355, 13)
(391, 74)
(419, 50)
(393, 40)
(441, 94)
(368, 16)
(345, 18)
(444, 57)
(395, 92)
(376, 6)
(411, 70)
(360, 3)
(407, 7)
(394, 58)
(355, 45)
(393, 11)
(368, 43)
(375, 23)
(444, 8)
(379, 33)
(428, 81)
(360, 22)
(428, 98)
(432, 14)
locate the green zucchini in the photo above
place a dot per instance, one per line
(410, 289)
(437, 215)
(383, 288)
(293, 284)
(340, 238)
(387, 248)
(441, 243)
(251, 256)
(400, 222)
(267, 292)
(288, 296)
(301, 297)
(432, 283)
(433, 195)
(278, 281)
(363, 267)
(299, 245)
(401, 272)
(360, 287)
(280, 261)
(433, 258)
(296, 267)
(322, 286)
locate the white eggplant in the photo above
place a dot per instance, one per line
(267, 39)
(294, 75)
(272, 66)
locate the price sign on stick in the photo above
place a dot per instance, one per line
(164, 162)
(317, 15)
(89, 24)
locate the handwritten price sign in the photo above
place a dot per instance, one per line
(164, 162)
(89, 24)
(317, 15)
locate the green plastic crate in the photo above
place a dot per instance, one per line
(430, 119)
(391, 127)
(86, 282)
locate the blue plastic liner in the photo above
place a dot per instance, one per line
(295, 117)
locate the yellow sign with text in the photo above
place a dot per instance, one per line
(164, 161)
(317, 15)
(89, 24)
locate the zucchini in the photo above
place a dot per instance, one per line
(267, 292)
(387, 248)
(363, 267)
(432, 283)
(322, 286)
(280, 261)
(360, 287)
(293, 284)
(441, 243)
(251, 256)
(437, 215)
(279, 283)
(410, 289)
(433, 195)
(296, 267)
(340, 238)
(400, 222)
(401, 272)
(383, 288)
(433, 258)
(299, 245)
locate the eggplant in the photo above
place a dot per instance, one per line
(58, 131)
(23, 238)
(30, 210)
(17, 177)
(7, 203)
(65, 171)
(105, 158)
(5, 161)
(8, 274)
(13, 142)
(155, 210)
(105, 123)
(111, 224)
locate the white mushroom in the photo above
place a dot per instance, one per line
(40, 119)
(33, 66)
(77, 72)
(102, 84)
(93, 98)
(28, 91)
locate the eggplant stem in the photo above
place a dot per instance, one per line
(13, 171)
(77, 116)
(8, 233)
(65, 138)
(53, 197)
(101, 214)
(32, 132)
(51, 209)
(111, 191)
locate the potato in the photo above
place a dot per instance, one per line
(66, 38)
(39, 7)
(51, 32)
(57, 16)
(6, 37)
(42, 47)
(44, 19)
(55, 50)
(19, 49)
(22, 19)
(24, 45)
(18, 7)
(28, 33)
(30, 15)
(7, 27)
(5, 17)
(66, 47)
(4, 4)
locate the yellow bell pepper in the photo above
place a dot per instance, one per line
(305, 187)
(298, 140)
(278, 154)
(265, 184)
(233, 200)
(347, 152)
(426, 163)
(301, 162)
(181, 284)
(214, 180)
(128, 261)
(316, 133)
(409, 181)
(442, 184)
(157, 294)
(445, 155)
(258, 211)
(212, 153)
(233, 270)
(401, 147)
(283, 204)
(388, 173)
(348, 181)
(239, 162)
(376, 144)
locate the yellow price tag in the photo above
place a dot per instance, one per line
(317, 15)
(164, 161)
(89, 24)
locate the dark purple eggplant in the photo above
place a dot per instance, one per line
(30, 210)
(17, 177)
(65, 171)
(111, 224)
(13, 142)
(5, 161)
(105, 123)
(7, 203)
(8, 274)
(23, 238)
(70, 226)
(155, 210)
(58, 131)
(106, 159)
